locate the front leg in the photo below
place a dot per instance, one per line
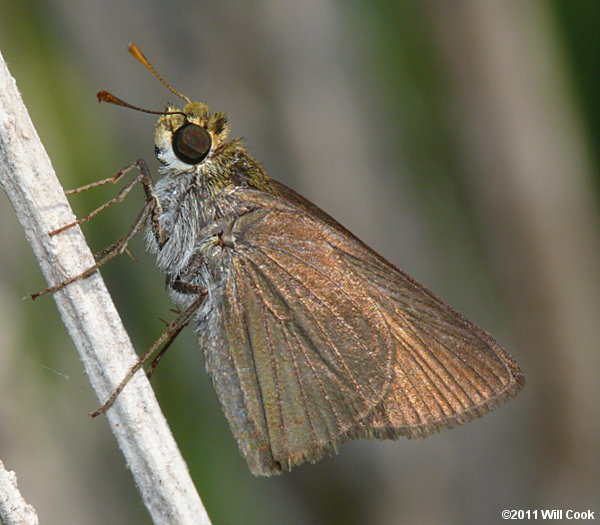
(151, 197)
(143, 178)
(152, 211)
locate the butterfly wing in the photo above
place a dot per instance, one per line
(446, 370)
(329, 341)
(310, 339)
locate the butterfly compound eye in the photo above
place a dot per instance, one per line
(191, 143)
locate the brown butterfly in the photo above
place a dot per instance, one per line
(310, 337)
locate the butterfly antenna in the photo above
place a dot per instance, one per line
(105, 96)
(137, 53)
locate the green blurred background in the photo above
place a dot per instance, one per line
(459, 139)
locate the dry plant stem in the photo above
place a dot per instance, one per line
(14, 510)
(27, 176)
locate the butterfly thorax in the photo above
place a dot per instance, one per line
(199, 208)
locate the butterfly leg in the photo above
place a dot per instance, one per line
(184, 288)
(102, 257)
(164, 341)
(153, 209)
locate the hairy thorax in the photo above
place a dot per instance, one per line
(197, 223)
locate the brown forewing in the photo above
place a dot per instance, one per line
(309, 330)
(330, 341)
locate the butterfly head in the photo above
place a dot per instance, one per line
(192, 138)
(188, 137)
